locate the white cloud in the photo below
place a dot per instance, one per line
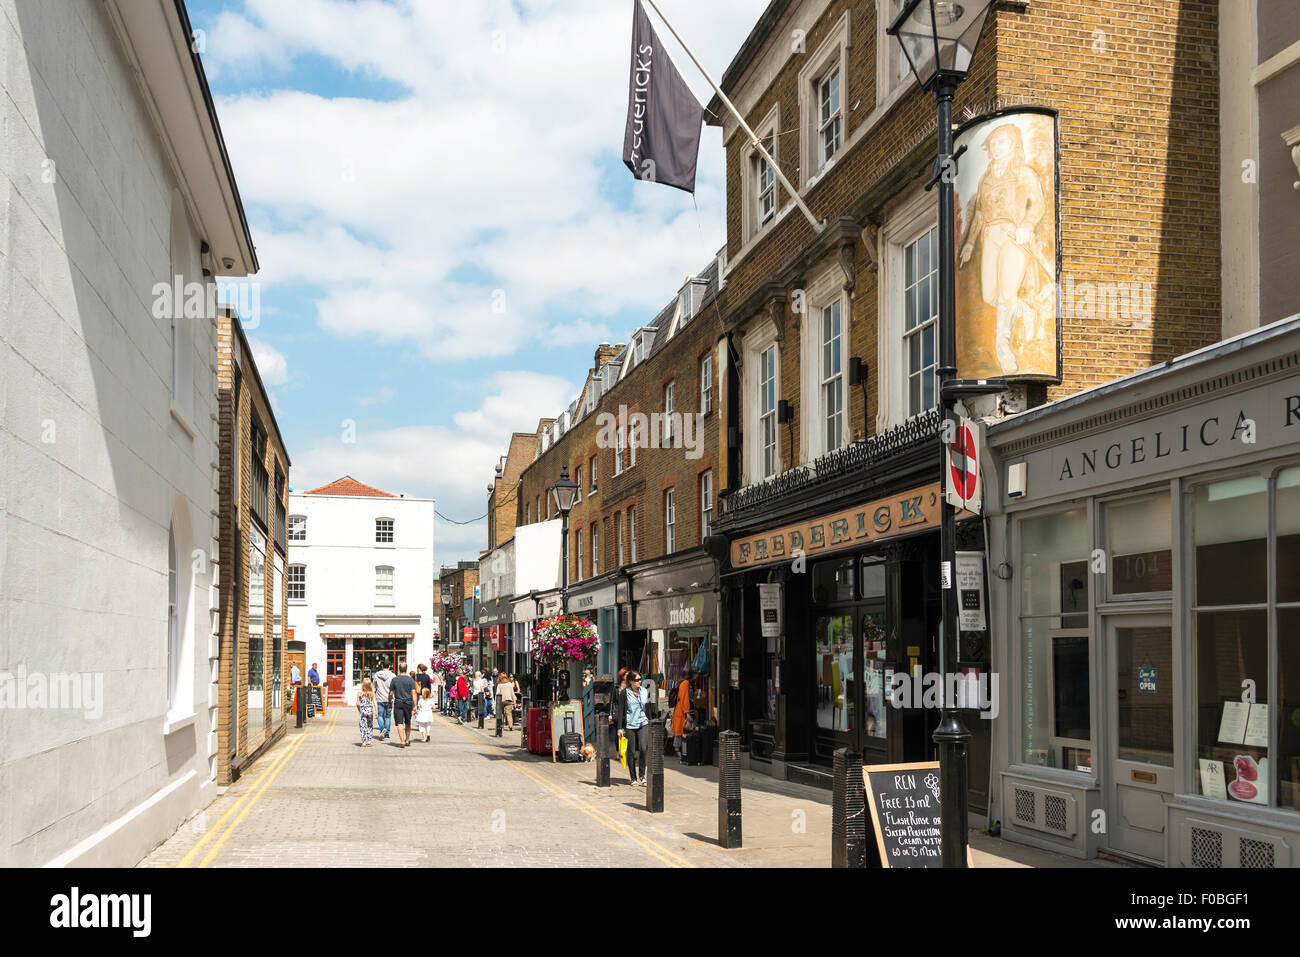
(453, 465)
(271, 364)
(385, 395)
(491, 163)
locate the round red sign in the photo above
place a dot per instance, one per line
(963, 467)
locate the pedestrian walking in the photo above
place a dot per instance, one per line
(295, 676)
(382, 681)
(366, 711)
(489, 693)
(681, 708)
(404, 694)
(478, 694)
(462, 698)
(313, 676)
(635, 726)
(506, 692)
(422, 678)
(424, 713)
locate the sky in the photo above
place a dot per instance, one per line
(443, 221)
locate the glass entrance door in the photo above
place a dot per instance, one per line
(1142, 702)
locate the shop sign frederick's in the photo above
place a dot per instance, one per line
(913, 511)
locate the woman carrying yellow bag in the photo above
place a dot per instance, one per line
(622, 751)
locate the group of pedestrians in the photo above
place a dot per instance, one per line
(389, 701)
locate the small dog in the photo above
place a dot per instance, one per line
(588, 752)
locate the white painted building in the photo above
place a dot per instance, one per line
(114, 180)
(360, 581)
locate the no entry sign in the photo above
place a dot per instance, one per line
(962, 482)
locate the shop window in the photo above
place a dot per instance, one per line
(833, 581)
(873, 579)
(875, 721)
(834, 670)
(1288, 630)
(1231, 520)
(1055, 662)
(1288, 536)
(1138, 534)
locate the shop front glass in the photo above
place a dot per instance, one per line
(688, 650)
(375, 654)
(256, 623)
(1243, 742)
(1055, 665)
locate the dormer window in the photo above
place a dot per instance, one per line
(686, 304)
(638, 352)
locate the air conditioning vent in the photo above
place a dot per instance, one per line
(1042, 809)
(1026, 812)
(1207, 847)
(1258, 853)
(1054, 813)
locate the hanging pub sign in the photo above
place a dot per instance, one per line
(1008, 251)
(904, 804)
(912, 511)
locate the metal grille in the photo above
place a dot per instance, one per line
(729, 765)
(852, 458)
(1207, 847)
(1257, 853)
(1025, 811)
(1054, 809)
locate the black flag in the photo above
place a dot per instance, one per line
(662, 140)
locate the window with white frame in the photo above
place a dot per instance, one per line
(595, 549)
(670, 522)
(669, 392)
(383, 584)
(706, 384)
(760, 201)
(764, 184)
(638, 352)
(620, 441)
(592, 468)
(384, 531)
(577, 542)
(706, 504)
(767, 412)
(907, 310)
(893, 71)
(830, 117)
(832, 376)
(577, 478)
(686, 304)
(631, 532)
(297, 582)
(173, 622)
(618, 537)
(540, 516)
(920, 320)
(297, 528)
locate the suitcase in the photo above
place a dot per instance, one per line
(697, 746)
(570, 746)
(539, 731)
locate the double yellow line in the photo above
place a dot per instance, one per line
(665, 856)
(248, 799)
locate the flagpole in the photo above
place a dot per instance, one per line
(753, 139)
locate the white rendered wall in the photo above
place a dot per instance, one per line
(93, 466)
(340, 556)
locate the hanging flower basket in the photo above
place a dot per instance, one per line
(447, 663)
(557, 641)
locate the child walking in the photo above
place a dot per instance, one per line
(424, 716)
(366, 711)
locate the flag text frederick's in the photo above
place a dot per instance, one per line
(662, 141)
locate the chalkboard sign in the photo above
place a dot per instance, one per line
(315, 705)
(904, 803)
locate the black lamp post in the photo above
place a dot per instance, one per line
(939, 38)
(564, 493)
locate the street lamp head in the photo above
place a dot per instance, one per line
(564, 492)
(939, 37)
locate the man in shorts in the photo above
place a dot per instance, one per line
(404, 691)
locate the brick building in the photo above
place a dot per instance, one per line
(456, 586)
(253, 669)
(640, 441)
(1147, 532)
(828, 382)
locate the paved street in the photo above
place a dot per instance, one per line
(467, 798)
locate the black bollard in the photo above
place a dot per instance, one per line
(498, 716)
(523, 724)
(300, 705)
(602, 750)
(482, 708)
(848, 811)
(654, 788)
(729, 789)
